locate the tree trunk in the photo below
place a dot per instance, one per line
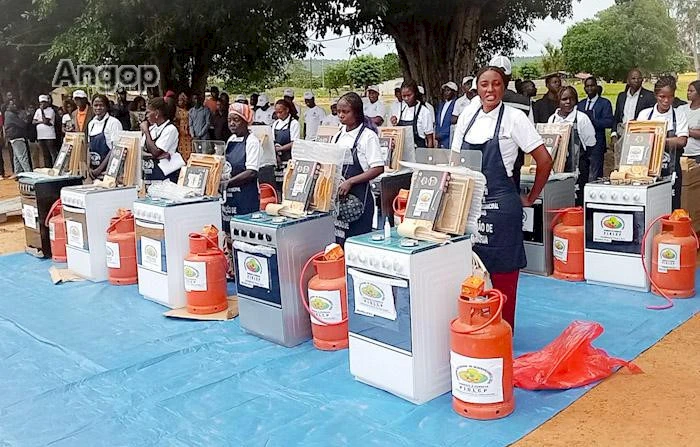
(437, 49)
(201, 64)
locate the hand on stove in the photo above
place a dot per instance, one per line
(526, 201)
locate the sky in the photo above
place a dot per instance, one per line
(544, 30)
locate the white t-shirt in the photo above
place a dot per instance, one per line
(312, 119)
(111, 128)
(44, 132)
(460, 105)
(65, 118)
(264, 116)
(253, 151)
(653, 114)
(165, 136)
(369, 153)
(395, 109)
(630, 106)
(331, 120)
(516, 132)
(586, 131)
(426, 119)
(431, 108)
(693, 147)
(293, 127)
(374, 109)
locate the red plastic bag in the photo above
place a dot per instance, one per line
(569, 361)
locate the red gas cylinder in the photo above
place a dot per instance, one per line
(481, 356)
(328, 304)
(57, 231)
(121, 249)
(567, 244)
(268, 195)
(674, 257)
(205, 276)
(400, 203)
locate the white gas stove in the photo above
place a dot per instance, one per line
(616, 217)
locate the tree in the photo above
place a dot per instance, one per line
(364, 71)
(633, 33)
(528, 70)
(336, 77)
(439, 40)
(552, 58)
(391, 67)
(687, 16)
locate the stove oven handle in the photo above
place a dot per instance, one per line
(70, 209)
(153, 226)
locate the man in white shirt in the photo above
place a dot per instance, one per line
(463, 101)
(263, 114)
(332, 119)
(395, 107)
(630, 102)
(312, 117)
(44, 120)
(373, 107)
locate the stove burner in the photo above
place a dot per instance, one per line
(408, 243)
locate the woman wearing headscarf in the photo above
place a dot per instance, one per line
(497, 131)
(103, 131)
(243, 154)
(363, 162)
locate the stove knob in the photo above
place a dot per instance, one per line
(592, 194)
(362, 258)
(625, 196)
(351, 256)
(398, 268)
(374, 262)
(603, 195)
(251, 234)
(268, 238)
(386, 263)
(636, 197)
(613, 196)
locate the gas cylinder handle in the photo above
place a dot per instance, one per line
(125, 215)
(304, 298)
(493, 293)
(215, 246)
(55, 205)
(560, 212)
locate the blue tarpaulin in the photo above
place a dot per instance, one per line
(94, 364)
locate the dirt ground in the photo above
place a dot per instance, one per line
(660, 407)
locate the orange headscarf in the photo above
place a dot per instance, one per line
(242, 110)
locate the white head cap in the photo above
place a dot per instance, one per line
(289, 92)
(240, 97)
(309, 95)
(473, 84)
(467, 80)
(450, 85)
(44, 98)
(79, 94)
(502, 62)
(421, 90)
(373, 88)
(262, 100)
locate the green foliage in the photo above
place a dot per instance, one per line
(633, 33)
(528, 70)
(364, 71)
(336, 77)
(687, 16)
(391, 67)
(552, 58)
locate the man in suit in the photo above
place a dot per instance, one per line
(629, 103)
(599, 110)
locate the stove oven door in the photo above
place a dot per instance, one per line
(76, 228)
(379, 309)
(614, 228)
(32, 226)
(257, 272)
(533, 223)
(150, 246)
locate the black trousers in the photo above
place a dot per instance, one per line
(49, 151)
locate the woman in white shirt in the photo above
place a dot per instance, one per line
(582, 136)
(692, 112)
(286, 129)
(677, 131)
(160, 141)
(103, 132)
(415, 114)
(497, 131)
(363, 162)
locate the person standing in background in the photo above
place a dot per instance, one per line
(395, 106)
(373, 107)
(692, 112)
(210, 102)
(67, 118)
(254, 102)
(332, 119)
(220, 121)
(199, 118)
(289, 96)
(121, 109)
(15, 134)
(182, 122)
(599, 111)
(58, 124)
(443, 117)
(629, 103)
(83, 114)
(44, 120)
(415, 114)
(286, 130)
(545, 107)
(103, 131)
(463, 101)
(421, 98)
(263, 115)
(312, 116)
